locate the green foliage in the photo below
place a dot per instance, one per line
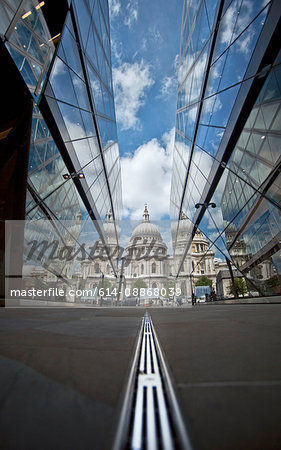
(139, 284)
(204, 281)
(105, 284)
(241, 287)
(169, 285)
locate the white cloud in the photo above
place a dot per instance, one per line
(176, 63)
(117, 50)
(131, 81)
(114, 8)
(57, 70)
(169, 83)
(146, 177)
(155, 34)
(143, 45)
(131, 13)
(168, 86)
(234, 22)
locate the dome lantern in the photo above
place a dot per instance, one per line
(145, 216)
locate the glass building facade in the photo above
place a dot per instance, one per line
(62, 51)
(228, 130)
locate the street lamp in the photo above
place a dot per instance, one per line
(206, 205)
(102, 286)
(67, 176)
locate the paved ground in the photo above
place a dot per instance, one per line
(63, 374)
(226, 366)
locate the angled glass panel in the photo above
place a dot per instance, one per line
(83, 152)
(106, 131)
(80, 91)
(96, 89)
(212, 140)
(28, 42)
(204, 32)
(23, 65)
(268, 112)
(215, 75)
(6, 16)
(189, 117)
(73, 121)
(61, 83)
(92, 171)
(248, 11)
(217, 109)
(83, 16)
(88, 123)
(68, 50)
(97, 19)
(211, 6)
(226, 28)
(34, 159)
(91, 49)
(198, 74)
(274, 192)
(204, 162)
(239, 54)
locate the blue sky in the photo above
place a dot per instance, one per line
(145, 39)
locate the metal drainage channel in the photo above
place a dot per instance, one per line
(150, 418)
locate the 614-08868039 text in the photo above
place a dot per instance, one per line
(136, 292)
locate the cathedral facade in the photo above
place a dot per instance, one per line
(146, 258)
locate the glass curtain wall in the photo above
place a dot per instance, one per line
(227, 116)
(74, 179)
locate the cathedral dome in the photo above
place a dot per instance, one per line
(109, 227)
(146, 229)
(181, 229)
(185, 226)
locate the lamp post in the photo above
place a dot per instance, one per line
(102, 286)
(120, 280)
(67, 176)
(206, 205)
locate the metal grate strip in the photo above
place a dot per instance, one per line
(155, 421)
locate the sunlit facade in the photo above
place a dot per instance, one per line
(227, 144)
(62, 51)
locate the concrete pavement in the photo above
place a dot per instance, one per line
(226, 366)
(63, 373)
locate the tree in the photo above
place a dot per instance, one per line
(204, 281)
(241, 287)
(169, 285)
(139, 284)
(105, 284)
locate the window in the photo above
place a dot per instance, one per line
(142, 269)
(97, 268)
(153, 267)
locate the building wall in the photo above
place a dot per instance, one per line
(62, 51)
(227, 133)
